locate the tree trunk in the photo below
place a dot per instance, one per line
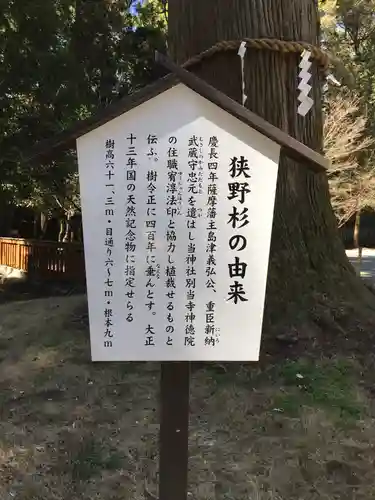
(43, 225)
(62, 230)
(66, 238)
(309, 273)
(357, 226)
(75, 227)
(70, 229)
(36, 225)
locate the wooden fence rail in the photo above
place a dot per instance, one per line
(44, 260)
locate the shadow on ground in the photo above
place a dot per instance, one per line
(15, 289)
(71, 429)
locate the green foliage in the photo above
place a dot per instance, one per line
(62, 60)
(90, 459)
(153, 13)
(328, 385)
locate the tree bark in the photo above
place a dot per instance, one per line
(36, 226)
(62, 230)
(308, 270)
(68, 230)
(357, 227)
(43, 224)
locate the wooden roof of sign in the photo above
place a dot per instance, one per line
(291, 146)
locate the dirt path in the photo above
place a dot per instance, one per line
(367, 265)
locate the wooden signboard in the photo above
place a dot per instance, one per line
(177, 202)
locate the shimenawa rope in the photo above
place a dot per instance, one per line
(273, 44)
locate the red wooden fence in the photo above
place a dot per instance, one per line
(45, 260)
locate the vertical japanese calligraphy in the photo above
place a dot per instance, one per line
(172, 210)
(211, 331)
(238, 219)
(183, 194)
(130, 222)
(109, 212)
(152, 270)
(194, 188)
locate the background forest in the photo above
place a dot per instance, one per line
(49, 80)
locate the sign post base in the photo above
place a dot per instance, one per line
(174, 430)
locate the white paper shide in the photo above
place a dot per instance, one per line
(177, 202)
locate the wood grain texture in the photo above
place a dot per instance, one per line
(307, 255)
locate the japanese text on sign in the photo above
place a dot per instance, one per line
(187, 219)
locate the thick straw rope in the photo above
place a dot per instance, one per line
(283, 46)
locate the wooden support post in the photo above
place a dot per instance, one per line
(174, 430)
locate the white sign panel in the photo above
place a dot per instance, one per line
(177, 201)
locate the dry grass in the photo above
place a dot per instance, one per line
(346, 137)
(70, 429)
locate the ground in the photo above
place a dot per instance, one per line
(366, 265)
(295, 427)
